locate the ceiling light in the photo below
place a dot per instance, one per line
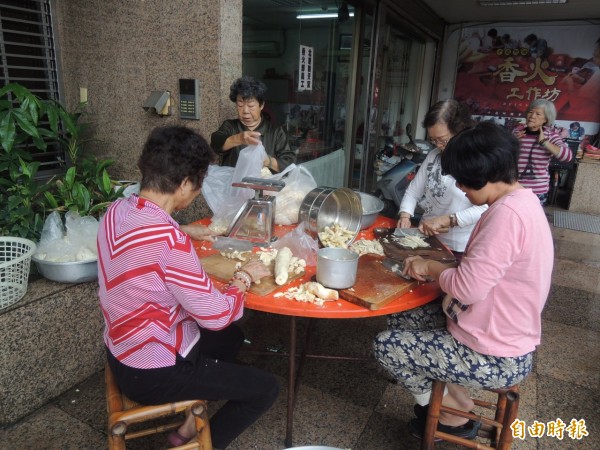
(332, 15)
(520, 2)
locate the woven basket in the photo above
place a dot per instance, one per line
(15, 259)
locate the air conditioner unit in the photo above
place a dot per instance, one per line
(262, 49)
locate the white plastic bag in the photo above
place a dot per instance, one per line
(249, 164)
(298, 182)
(300, 243)
(216, 185)
(77, 244)
(227, 200)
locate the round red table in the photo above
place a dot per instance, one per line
(340, 309)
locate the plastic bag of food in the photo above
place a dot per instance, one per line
(75, 242)
(300, 243)
(298, 182)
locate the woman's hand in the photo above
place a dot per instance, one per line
(249, 138)
(435, 225)
(256, 269)
(198, 232)
(403, 222)
(425, 269)
(416, 267)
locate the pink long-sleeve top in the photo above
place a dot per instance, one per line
(538, 178)
(504, 277)
(153, 290)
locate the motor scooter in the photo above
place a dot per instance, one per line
(396, 167)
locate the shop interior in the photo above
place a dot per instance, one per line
(362, 90)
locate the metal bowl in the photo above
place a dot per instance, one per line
(324, 206)
(68, 272)
(371, 207)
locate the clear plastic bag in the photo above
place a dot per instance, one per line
(249, 164)
(226, 199)
(77, 243)
(298, 182)
(216, 185)
(300, 243)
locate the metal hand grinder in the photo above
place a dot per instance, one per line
(255, 221)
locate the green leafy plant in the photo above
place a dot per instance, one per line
(29, 124)
(88, 190)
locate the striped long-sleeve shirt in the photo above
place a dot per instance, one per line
(535, 176)
(153, 290)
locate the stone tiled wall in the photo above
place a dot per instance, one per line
(585, 198)
(122, 51)
(51, 341)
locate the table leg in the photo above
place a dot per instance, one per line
(295, 372)
(291, 383)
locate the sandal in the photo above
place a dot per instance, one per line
(468, 430)
(175, 439)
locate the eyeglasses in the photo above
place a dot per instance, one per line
(441, 141)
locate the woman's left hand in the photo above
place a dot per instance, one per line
(416, 267)
(256, 269)
(435, 225)
(198, 232)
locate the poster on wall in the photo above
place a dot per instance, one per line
(305, 68)
(500, 70)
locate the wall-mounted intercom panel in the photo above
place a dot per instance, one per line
(189, 101)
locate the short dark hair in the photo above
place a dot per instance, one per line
(248, 87)
(454, 114)
(485, 153)
(172, 154)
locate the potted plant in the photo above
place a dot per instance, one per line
(28, 125)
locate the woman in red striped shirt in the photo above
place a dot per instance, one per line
(539, 144)
(169, 332)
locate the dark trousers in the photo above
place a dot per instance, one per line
(207, 373)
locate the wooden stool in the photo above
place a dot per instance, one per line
(497, 430)
(123, 412)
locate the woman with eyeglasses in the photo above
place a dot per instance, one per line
(447, 212)
(485, 331)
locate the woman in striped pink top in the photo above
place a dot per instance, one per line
(539, 144)
(169, 332)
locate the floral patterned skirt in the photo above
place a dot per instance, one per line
(417, 349)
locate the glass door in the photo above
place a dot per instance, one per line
(393, 96)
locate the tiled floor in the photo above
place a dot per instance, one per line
(353, 405)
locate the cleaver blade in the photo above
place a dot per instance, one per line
(396, 267)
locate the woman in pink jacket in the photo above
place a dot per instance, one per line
(485, 331)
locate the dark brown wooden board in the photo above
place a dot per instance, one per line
(375, 285)
(222, 268)
(437, 251)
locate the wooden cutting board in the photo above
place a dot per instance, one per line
(222, 268)
(437, 251)
(375, 285)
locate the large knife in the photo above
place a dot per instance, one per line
(395, 267)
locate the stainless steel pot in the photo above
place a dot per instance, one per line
(371, 207)
(336, 267)
(68, 272)
(324, 206)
